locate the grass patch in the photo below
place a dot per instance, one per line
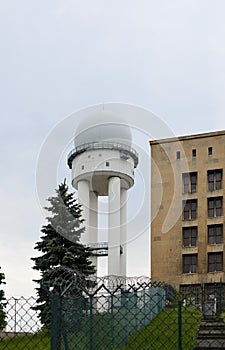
(160, 333)
(38, 341)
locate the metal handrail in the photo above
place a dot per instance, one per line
(101, 248)
(101, 245)
(102, 145)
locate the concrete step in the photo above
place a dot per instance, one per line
(211, 335)
(210, 344)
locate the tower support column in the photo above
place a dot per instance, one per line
(93, 227)
(114, 226)
(84, 199)
(123, 231)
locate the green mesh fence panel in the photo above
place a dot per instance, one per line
(105, 320)
(116, 313)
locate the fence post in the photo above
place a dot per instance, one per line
(219, 308)
(111, 320)
(179, 325)
(91, 323)
(55, 322)
(203, 298)
(15, 309)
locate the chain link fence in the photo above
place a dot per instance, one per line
(116, 313)
(24, 330)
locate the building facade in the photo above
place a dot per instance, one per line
(187, 209)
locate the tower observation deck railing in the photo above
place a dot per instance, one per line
(102, 145)
(100, 249)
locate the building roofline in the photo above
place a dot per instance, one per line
(187, 137)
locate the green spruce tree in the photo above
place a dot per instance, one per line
(60, 248)
(2, 303)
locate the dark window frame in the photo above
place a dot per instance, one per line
(190, 207)
(215, 262)
(189, 236)
(210, 151)
(214, 207)
(194, 153)
(190, 262)
(215, 234)
(214, 178)
(178, 155)
(190, 182)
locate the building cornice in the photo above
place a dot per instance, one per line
(187, 137)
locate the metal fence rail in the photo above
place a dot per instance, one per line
(113, 313)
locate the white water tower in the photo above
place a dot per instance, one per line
(103, 163)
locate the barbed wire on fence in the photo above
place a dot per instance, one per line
(61, 280)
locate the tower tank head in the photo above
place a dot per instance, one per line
(103, 126)
(103, 148)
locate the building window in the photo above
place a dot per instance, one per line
(215, 179)
(194, 153)
(189, 236)
(210, 151)
(215, 234)
(215, 262)
(107, 163)
(190, 209)
(190, 263)
(82, 167)
(214, 207)
(190, 182)
(178, 155)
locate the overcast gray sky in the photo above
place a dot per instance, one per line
(58, 57)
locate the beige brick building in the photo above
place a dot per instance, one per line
(187, 206)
